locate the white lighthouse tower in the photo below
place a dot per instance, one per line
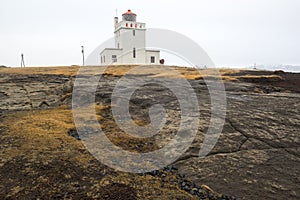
(130, 43)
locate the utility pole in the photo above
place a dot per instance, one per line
(22, 61)
(82, 51)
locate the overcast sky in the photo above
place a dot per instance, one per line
(232, 32)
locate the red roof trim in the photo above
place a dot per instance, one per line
(129, 13)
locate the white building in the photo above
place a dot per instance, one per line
(130, 44)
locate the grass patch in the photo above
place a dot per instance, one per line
(40, 160)
(119, 70)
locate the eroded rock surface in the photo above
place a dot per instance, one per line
(257, 154)
(256, 157)
(19, 92)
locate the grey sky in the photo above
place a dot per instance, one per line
(233, 32)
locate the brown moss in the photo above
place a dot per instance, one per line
(119, 70)
(154, 71)
(59, 70)
(122, 139)
(40, 160)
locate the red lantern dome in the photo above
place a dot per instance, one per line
(129, 16)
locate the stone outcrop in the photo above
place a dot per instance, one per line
(257, 155)
(19, 92)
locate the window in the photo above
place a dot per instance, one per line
(133, 32)
(134, 53)
(101, 60)
(118, 45)
(114, 58)
(152, 59)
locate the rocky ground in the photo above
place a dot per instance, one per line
(256, 156)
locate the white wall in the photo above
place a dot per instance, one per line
(127, 57)
(128, 41)
(150, 53)
(107, 53)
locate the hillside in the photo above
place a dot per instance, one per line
(42, 156)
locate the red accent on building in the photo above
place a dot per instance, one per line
(129, 13)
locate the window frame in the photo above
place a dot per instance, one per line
(152, 59)
(114, 58)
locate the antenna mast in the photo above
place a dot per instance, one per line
(82, 51)
(22, 61)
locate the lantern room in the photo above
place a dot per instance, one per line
(129, 16)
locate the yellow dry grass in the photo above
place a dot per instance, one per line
(41, 136)
(59, 70)
(42, 131)
(120, 70)
(260, 77)
(152, 71)
(39, 130)
(47, 131)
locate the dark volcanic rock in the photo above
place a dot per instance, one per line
(118, 191)
(19, 92)
(257, 155)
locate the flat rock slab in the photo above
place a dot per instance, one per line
(257, 155)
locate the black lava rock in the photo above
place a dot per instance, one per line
(74, 134)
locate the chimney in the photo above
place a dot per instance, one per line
(116, 21)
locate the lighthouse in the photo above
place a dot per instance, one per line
(130, 43)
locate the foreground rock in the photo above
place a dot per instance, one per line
(256, 157)
(19, 92)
